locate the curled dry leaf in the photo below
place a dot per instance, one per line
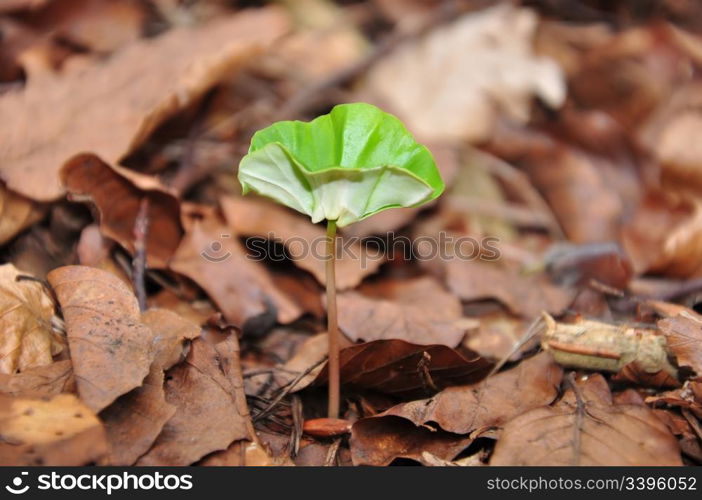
(134, 421)
(208, 393)
(490, 403)
(117, 194)
(110, 108)
(16, 214)
(305, 242)
(461, 96)
(419, 311)
(379, 441)
(524, 295)
(639, 354)
(684, 335)
(26, 336)
(586, 428)
(41, 381)
(398, 367)
(212, 257)
(111, 349)
(60, 431)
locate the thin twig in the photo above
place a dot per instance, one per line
(285, 390)
(332, 453)
(296, 433)
(534, 329)
(579, 416)
(141, 230)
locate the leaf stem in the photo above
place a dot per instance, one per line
(332, 326)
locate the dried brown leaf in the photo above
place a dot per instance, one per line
(26, 336)
(212, 257)
(524, 295)
(16, 214)
(41, 381)
(111, 349)
(211, 413)
(110, 108)
(398, 367)
(490, 403)
(379, 441)
(305, 242)
(684, 335)
(590, 431)
(117, 194)
(418, 311)
(59, 431)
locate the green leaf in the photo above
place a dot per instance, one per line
(344, 166)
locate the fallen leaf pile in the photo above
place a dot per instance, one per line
(545, 310)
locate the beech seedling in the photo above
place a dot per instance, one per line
(341, 167)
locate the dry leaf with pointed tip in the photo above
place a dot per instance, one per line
(60, 431)
(40, 381)
(211, 413)
(111, 349)
(586, 428)
(526, 296)
(110, 108)
(117, 194)
(466, 73)
(305, 242)
(490, 403)
(26, 336)
(212, 257)
(418, 311)
(379, 441)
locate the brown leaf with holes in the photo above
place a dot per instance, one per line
(587, 429)
(305, 242)
(111, 349)
(379, 441)
(418, 311)
(110, 108)
(212, 257)
(208, 393)
(40, 381)
(523, 295)
(684, 335)
(60, 431)
(26, 336)
(117, 194)
(398, 367)
(490, 403)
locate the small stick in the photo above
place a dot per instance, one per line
(332, 326)
(286, 390)
(332, 453)
(141, 229)
(579, 416)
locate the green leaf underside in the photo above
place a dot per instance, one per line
(344, 166)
